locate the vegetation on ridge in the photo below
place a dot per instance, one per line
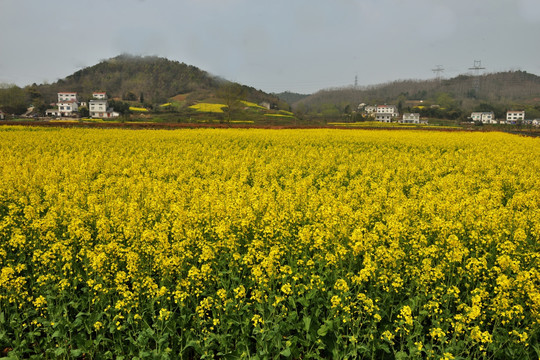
(457, 96)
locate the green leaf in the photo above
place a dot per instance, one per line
(385, 348)
(76, 352)
(286, 352)
(401, 355)
(307, 323)
(323, 330)
(60, 351)
(78, 321)
(327, 326)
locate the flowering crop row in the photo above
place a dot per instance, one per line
(207, 107)
(140, 109)
(262, 243)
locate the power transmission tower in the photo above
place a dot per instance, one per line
(438, 70)
(476, 79)
(356, 81)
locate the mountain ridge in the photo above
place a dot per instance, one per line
(153, 78)
(464, 91)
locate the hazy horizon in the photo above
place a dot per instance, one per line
(299, 46)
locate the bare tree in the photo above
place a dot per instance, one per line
(231, 94)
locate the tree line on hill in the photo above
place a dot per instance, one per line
(149, 81)
(453, 98)
(152, 81)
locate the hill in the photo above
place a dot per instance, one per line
(154, 79)
(498, 90)
(291, 97)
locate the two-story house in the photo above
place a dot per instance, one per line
(99, 95)
(66, 96)
(385, 113)
(67, 107)
(370, 109)
(411, 118)
(99, 106)
(513, 116)
(486, 117)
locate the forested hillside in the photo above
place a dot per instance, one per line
(497, 90)
(152, 79)
(291, 97)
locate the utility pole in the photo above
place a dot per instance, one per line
(438, 70)
(476, 79)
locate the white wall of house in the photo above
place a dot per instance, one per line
(383, 117)
(99, 95)
(388, 109)
(97, 108)
(67, 107)
(513, 116)
(52, 112)
(485, 117)
(66, 96)
(370, 109)
(411, 118)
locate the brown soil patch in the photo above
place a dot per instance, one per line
(179, 97)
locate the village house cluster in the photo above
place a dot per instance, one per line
(389, 113)
(68, 105)
(513, 117)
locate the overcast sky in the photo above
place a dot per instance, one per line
(276, 45)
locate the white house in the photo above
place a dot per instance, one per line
(2, 115)
(99, 109)
(487, 117)
(411, 118)
(383, 117)
(370, 109)
(388, 109)
(266, 105)
(53, 112)
(514, 116)
(66, 96)
(99, 95)
(67, 107)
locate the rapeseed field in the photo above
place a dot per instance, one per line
(265, 244)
